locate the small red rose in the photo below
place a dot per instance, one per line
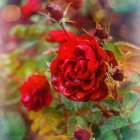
(79, 70)
(30, 8)
(36, 93)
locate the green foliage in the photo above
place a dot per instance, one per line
(110, 104)
(71, 125)
(94, 117)
(96, 131)
(75, 106)
(113, 123)
(12, 126)
(28, 31)
(74, 122)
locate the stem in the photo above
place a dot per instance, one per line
(62, 26)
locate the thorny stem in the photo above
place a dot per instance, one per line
(62, 26)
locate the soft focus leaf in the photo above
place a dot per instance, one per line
(11, 129)
(131, 56)
(47, 121)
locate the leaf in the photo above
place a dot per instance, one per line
(111, 47)
(130, 56)
(71, 125)
(11, 129)
(127, 86)
(95, 117)
(135, 117)
(71, 105)
(82, 122)
(113, 123)
(47, 121)
(129, 101)
(127, 134)
(111, 104)
(96, 131)
(126, 47)
(108, 136)
(28, 31)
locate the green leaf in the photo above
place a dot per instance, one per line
(108, 136)
(111, 47)
(111, 104)
(12, 126)
(127, 133)
(71, 125)
(82, 122)
(113, 123)
(74, 121)
(96, 131)
(135, 117)
(129, 100)
(95, 117)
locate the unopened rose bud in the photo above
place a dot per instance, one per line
(101, 33)
(55, 12)
(117, 73)
(82, 134)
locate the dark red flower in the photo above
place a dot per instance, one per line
(36, 93)
(82, 134)
(58, 36)
(30, 8)
(79, 70)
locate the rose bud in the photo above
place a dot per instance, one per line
(55, 12)
(101, 33)
(82, 134)
(36, 93)
(117, 73)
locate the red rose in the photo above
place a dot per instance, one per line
(79, 69)
(36, 93)
(30, 8)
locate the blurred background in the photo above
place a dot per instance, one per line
(19, 38)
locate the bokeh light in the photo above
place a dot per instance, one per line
(11, 13)
(123, 5)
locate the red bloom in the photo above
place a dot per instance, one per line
(79, 69)
(36, 93)
(59, 36)
(30, 8)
